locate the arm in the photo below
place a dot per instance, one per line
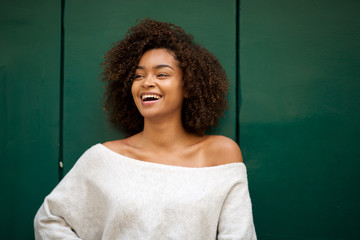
(56, 216)
(50, 226)
(236, 220)
(68, 211)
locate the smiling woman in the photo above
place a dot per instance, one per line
(204, 80)
(167, 179)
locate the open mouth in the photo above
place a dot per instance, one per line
(150, 97)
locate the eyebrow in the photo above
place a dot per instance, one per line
(156, 67)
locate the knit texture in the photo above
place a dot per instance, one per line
(110, 196)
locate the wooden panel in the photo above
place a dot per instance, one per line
(91, 28)
(299, 121)
(29, 101)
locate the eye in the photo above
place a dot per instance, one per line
(162, 75)
(138, 76)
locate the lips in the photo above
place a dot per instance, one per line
(150, 97)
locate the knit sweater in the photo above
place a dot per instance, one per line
(110, 196)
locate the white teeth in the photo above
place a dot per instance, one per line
(150, 96)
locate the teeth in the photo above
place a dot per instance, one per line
(150, 96)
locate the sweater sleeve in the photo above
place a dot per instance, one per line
(50, 226)
(236, 220)
(70, 211)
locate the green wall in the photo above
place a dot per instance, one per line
(298, 82)
(29, 113)
(299, 118)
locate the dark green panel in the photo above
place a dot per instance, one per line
(29, 100)
(299, 119)
(90, 30)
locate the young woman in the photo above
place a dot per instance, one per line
(167, 179)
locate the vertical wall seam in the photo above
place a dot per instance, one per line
(61, 108)
(237, 71)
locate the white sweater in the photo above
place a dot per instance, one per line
(110, 196)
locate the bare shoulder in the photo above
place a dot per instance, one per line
(223, 150)
(112, 145)
(119, 146)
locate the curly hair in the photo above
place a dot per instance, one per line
(204, 80)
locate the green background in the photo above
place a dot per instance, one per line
(293, 101)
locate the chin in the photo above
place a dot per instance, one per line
(149, 115)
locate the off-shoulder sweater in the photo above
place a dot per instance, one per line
(110, 196)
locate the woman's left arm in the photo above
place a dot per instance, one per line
(236, 219)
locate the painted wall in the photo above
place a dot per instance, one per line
(299, 119)
(299, 80)
(29, 110)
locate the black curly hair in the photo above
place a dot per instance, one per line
(204, 79)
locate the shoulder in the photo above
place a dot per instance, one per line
(118, 146)
(124, 146)
(222, 150)
(113, 145)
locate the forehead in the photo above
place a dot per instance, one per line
(158, 56)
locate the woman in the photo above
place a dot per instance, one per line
(167, 180)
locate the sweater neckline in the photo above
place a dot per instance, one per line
(161, 165)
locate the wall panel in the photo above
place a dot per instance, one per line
(29, 101)
(299, 116)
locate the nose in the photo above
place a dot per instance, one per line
(148, 82)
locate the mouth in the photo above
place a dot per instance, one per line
(150, 97)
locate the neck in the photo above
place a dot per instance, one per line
(164, 136)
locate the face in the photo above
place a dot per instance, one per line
(157, 88)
